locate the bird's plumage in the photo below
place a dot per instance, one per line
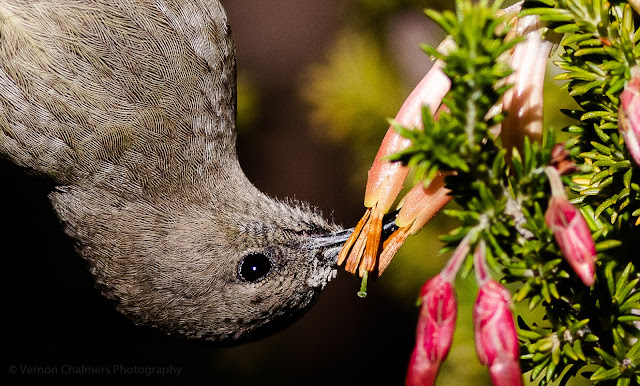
(129, 107)
(140, 89)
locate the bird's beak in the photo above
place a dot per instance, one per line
(331, 243)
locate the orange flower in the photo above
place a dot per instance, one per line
(386, 179)
(418, 207)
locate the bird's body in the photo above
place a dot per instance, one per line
(128, 106)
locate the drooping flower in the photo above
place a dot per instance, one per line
(570, 230)
(494, 329)
(437, 321)
(386, 178)
(434, 332)
(629, 114)
(495, 334)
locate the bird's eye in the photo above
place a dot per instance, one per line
(254, 267)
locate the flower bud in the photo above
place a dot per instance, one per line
(629, 114)
(434, 332)
(495, 334)
(570, 231)
(573, 236)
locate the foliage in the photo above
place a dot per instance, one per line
(504, 203)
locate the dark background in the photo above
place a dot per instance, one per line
(57, 322)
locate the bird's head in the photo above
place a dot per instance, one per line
(259, 269)
(230, 270)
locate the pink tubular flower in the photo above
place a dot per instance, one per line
(494, 329)
(629, 114)
(437, 320)
(434, 332)
(570, 230)
(495, 334)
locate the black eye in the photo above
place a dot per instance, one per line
(254, 267)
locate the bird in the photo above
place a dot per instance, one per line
(128, 107)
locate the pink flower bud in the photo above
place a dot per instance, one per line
(434, 332)
(573, 236)
(629, 114)
(570, 230)
(495, 334)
